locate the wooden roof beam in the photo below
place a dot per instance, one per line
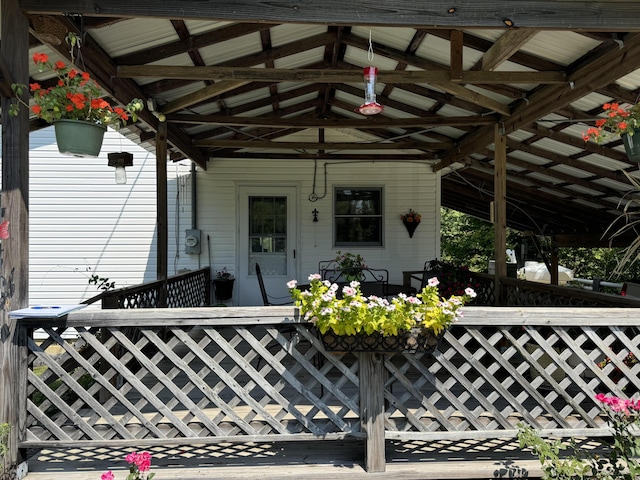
(428, 65)
(192, 43)
(293, 122)
(612, 15)
(102, 69)
(602, 71)
(259, 144)
(333, 75)
(509, 43)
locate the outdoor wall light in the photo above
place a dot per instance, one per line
(120, 160)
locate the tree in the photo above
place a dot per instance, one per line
(467, 240)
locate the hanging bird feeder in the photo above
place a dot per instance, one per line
(370, 106)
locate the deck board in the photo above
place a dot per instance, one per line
(289, 460)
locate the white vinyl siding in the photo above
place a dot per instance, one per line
(81, 222)
(406, 186)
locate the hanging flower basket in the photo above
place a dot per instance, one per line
(79, 138)
(74, 105)
(632, 145)
(411, 221)
(416, 340)
(347, 321)
(622, 120)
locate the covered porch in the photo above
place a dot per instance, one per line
(216, 386)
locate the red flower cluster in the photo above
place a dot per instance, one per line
(75, 96)
(618, 121)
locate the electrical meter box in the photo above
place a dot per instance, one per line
(192, 241)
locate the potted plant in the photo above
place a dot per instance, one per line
(621, 121)
(353, 322)
(74, 105)
(350, 264)
(223, 284)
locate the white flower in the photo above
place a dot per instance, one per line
(348, 291)
(470, 292)
(292, 283)
(314, 276)
(433, 282)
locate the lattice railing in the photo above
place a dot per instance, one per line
(191, 289)
(532, 294)
(252, 374)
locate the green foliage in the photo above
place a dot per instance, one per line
(5, 429)
(549, 453)
(69, 396)
(620, 461)
(350, 263)
(101, 283)
(351, 313)
(469, 241)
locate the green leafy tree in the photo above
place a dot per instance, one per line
(466, 240)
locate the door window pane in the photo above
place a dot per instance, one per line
(268, 234)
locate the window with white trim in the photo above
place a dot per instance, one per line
(357, 216)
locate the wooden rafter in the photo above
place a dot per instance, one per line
(324, 146)
(332, 75)
(376, 122)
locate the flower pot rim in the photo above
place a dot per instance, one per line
(75, 120)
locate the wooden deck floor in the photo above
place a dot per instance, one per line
(416, 460)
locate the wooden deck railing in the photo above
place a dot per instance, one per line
(147, 377)
(531, 294)
(190, 289)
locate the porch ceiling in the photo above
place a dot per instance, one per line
(280, 81)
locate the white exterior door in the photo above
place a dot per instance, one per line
(267, 236)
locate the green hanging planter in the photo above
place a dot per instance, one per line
(79, 138)
(632, 145)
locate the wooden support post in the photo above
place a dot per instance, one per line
(14, 251)
(554, 274)
(456, 39)
(161, 204)
(500, 205)
(372, 409)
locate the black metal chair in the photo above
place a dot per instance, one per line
(269, 299)
(373, 281)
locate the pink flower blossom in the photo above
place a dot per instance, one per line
(4, 230)
(348, 291)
